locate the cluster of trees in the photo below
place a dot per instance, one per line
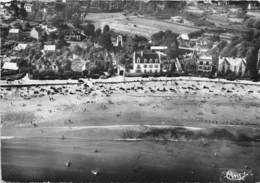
(160, 9)
(169, 39)
(246, 46)
(253, 23)
(17, 9)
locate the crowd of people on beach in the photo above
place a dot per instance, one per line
(134, 87)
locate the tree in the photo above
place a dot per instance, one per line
(58, 21)
(105, 41)
(98, 32)
(76, 20)
(14, 8)
(106, 29)
(251, 58)
(22, 11)
(59, 7)
(89, 29)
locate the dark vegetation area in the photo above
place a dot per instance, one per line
(187, 134)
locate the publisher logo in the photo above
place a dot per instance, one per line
(237, 175)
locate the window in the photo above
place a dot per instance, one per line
(151, 66)
(145, 60)
(138, 66)
(201, 63)
(145, 66)
(207, 63)
(156, 66)
(151, 60)
(156, 60)
(138, 60)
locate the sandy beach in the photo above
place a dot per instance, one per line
(122, 120)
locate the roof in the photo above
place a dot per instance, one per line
(232, 61)
(184, 36)
(49, 47)
(148, 56)
(15, 31)
(159, 47)
(205, 57)
(78, 65)
(21, 46)
(10, 66)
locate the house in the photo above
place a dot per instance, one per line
(118, 41)
(184, 40)
(204, 42)
(28, 7)
(121, 70)
(5, 13)
(177, 19)
(228, 65)
(48, 29)
(258, 61)
(159, 48)
(20, 46)
(49, 48)
(148, 62)
(189, 62)
(204, 64)
(34, 33)
(171, 65)
(44, 64)
(14, 34)
(184, 37)
(10, 66)
(226, 37)
(73, 35)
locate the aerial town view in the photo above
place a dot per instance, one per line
(130, 91)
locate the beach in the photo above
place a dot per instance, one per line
(97, 120)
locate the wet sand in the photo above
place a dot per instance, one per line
(45, 159)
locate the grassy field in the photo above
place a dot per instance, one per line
(136, 25)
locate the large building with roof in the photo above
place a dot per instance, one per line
(146, 62)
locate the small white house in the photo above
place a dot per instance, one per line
(177, 19)
(159, 48)
(14, 31)
(50, 48)
(10, 66)
(184, 37)
(28, 7)
(34, 34)
(20, 46)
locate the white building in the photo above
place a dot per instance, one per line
(118, 41)
(14, 31)
(234, 65)
(34, 34)
(10, 66)
(159, 48)
(204, 64)
(49, 48)
(28, 7)
(20, 46)
(146, 62)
